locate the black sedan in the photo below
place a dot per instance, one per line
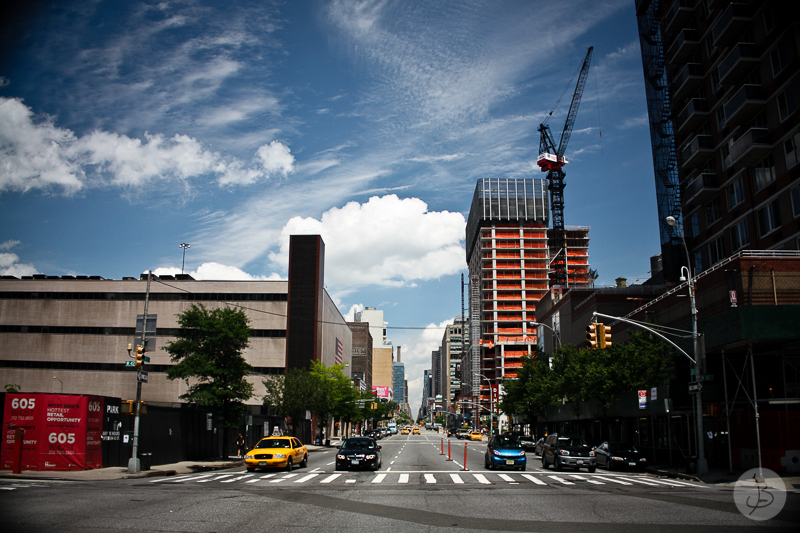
(620, 456)
(359, 452)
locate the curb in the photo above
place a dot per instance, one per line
(675, 475)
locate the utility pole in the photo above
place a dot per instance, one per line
(134, 466)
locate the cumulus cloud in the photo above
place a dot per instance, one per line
(9, 262)
(36, 154)
(216, 272)
(387, 241)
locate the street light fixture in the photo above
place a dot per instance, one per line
(702, 464)
(62, 384)
(184, 246)
(555, 333)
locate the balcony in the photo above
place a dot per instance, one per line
(683, 47)
(731, 24)
(693, 115)
(678, 14)
(737, 64)
(687, 81)
(701, 189)
(697, 152)
(751, 147)
(744, 105)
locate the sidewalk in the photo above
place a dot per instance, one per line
(718, 476)
(121, 472)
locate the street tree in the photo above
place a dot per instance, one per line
(534, 390)
(208, 352)
(291, 395)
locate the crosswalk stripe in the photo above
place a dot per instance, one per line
(593, 481)
(379, 478)
(306, 478)
(482, 479)
(429, 478)
(231, 480)
(637, 480)
(181, 479)
(456, 479)
(615, 480)
(403, 478)
(223, 476)
(535, 479)
(561, 480)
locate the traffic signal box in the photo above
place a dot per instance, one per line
(591, 336)
(604, 336)
(139, 355)
(128, 407)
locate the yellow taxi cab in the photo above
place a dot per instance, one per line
(415, 431)
(475, 435)
(281, 452)
(404, 431)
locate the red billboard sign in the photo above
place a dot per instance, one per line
(62, 432)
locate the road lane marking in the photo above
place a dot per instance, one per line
(506, 477)
(330, 478)
(231, 480)
(403, 478)
(535, 479)
(636, 480)
(615, 480)
(456, 479)
(594, 481)
(379, 478)
(181, 479)
(561, 480)
(482, 479)
(287, 476)
(429, 478)
(305, 478)
(350, 481)
(223, 476)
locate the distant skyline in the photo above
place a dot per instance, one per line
(128, 128)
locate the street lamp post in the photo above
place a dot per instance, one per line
(702, 463)
(184, 246)
(62, 384)
(555, 333)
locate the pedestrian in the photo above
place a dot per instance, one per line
(240, 445)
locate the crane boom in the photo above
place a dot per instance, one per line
(552, 161)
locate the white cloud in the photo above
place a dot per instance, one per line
(35, 154)
(216, 272)
(10, 265)
(351, 314)
(387, 241)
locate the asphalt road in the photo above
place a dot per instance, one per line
(416, 489)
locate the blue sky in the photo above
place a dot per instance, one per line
(127, 128)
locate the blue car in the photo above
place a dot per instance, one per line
(505, 451)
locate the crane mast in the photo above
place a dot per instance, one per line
(552, 161)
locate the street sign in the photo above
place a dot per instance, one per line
(130, 363)
(142, 376)
(707, 377)
(146, 359)
(695, 386)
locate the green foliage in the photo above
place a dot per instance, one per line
(580, 375)
(11, 388)
(208, 353)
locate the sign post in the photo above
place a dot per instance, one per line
(134, 466)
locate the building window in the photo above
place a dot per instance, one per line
(769, 218)
(791, 147)
(713, 211)
(785, 104)
(694, 225)
(716, 250)
(735, 193)
(740, 236)
(779, 58)
(720, 114)
(725, 150)
(796, 201)
(769, 19)
(763, 173)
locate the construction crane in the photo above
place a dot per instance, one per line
(552, 161)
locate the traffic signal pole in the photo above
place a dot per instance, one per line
(134, 466)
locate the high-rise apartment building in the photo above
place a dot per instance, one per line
(455, 342)
(732, 86)
(508, 257)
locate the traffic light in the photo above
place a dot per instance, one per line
(604, 336)
(139, 355)
(591, 336)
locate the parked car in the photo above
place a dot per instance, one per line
(359, 452)
(567, 451)
(505, 451)
(281, 452)
(620, 456)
